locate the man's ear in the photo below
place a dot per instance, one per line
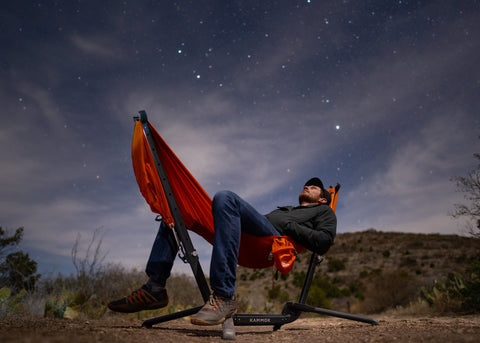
(322, 201)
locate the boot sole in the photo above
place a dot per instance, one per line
(198, 321)
(137, 309)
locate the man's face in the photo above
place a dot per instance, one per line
(310, 194)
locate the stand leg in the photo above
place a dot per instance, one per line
(167, 317)
(228, 329)
(307, 308)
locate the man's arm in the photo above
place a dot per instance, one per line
(320, 237)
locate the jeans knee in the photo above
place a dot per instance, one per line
(223, 197)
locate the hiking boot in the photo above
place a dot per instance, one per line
(140, 299)
(215, 311)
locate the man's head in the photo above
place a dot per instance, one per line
(314, 192)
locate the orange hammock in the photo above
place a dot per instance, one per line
(193, 202)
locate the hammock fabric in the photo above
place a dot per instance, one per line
(195, 205)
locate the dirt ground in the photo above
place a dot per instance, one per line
(324, 329)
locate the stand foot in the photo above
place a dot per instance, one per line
(228, 329)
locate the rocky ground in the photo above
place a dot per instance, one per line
(391, 329)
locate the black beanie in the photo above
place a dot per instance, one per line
(315, 181)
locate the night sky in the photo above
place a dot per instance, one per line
(253, 96)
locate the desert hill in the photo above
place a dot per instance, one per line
(368, 271)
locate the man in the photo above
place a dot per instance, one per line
(312, 224)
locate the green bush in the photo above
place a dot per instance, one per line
(298, 278)
(389, 290)
(318, 298)
(408, 262)
(17, 270)
(454, 293)
(335, 264)
(64, 306)
(322, 290)
(276, 293)
(357, 289)
(11, 303)
(472, 289)
(257, 273)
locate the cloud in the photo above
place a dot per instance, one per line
(412, 189)
(99, 46)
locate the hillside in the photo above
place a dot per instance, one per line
(369, 271)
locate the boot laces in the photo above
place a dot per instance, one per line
(136, 297)
(215, 302)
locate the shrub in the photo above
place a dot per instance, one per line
(318, 298)
(408, 262)
(357, 289)
(472, 291)
(454, 293)
(298, 278)
(65, 306)
(17, 270)
(276, 293)
(183, 291)
(445, 295)
(335, 264)
(10, 303)
(257, 274)
(68, 296)
(389, 290)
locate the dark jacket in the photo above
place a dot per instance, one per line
(313, 226)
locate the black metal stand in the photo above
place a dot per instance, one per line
(180, 231)
(291, 310)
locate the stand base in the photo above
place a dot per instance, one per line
(290, 313)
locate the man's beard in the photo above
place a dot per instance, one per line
(305, 197)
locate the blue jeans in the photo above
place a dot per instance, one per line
(231, 216)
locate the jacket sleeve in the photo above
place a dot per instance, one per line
(317, 238)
